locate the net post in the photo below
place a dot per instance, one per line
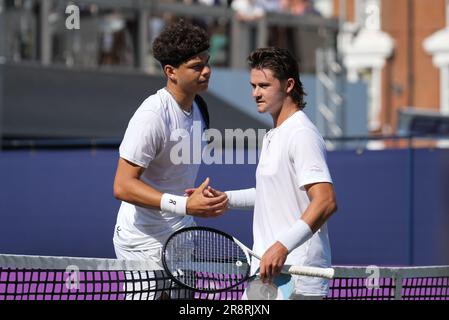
(398, 287)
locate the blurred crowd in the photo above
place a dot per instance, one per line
(255, 9)
(108, 37)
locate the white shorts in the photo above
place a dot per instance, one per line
(149, 285)
(257, 290)
(282, 287)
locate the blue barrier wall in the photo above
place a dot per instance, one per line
(61, 203)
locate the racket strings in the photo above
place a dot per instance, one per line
(206, 261)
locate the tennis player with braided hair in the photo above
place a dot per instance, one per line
(294, 195)
(148, 182)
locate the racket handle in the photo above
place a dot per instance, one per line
(327, 273)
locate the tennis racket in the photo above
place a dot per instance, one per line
(209, 260)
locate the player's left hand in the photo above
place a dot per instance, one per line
(208, 192)
(272, 261)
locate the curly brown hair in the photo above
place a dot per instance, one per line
(283, 65)
(179, 42)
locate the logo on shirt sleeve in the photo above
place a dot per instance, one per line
(316, 168)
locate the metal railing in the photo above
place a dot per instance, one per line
(357, 143)
(329, 93)
(142, 10)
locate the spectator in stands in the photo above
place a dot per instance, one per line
(265, 5)
(299, 7)
(289, 37)
(116, 44)
(248, 10)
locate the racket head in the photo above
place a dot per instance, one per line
(205, 259)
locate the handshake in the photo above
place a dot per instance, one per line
(205, 201)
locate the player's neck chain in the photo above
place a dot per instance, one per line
(188, 114)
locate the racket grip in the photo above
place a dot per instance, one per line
(327, 273)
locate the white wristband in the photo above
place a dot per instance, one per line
(174, 204)
(241, 199)
(299, 233)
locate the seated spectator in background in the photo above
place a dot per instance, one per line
(299, 7)
(270, 5)
(247, 10)
(208, 2)
(116, 44)
(213, 2)
(196, 21)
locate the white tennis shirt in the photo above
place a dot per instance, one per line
(147, 143)
(293, 155)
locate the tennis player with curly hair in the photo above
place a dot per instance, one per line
(150, 186)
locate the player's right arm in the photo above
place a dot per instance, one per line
(129, 188)
(242, 199)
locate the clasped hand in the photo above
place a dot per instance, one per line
(206, 202)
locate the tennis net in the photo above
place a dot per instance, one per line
(390, 283)
(69, 278)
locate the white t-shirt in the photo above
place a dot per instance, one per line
(293, 155)
(147, 143)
